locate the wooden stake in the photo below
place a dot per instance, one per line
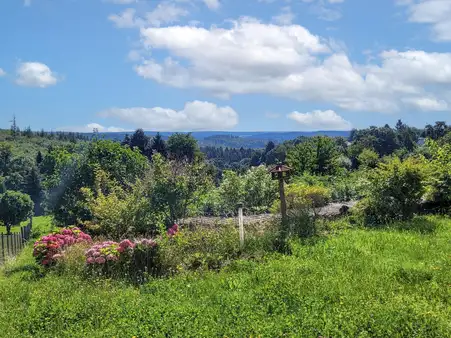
(241, 225)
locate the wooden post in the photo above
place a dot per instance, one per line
(280, 172)
(283, 202)
(240, 224)
(3, 248)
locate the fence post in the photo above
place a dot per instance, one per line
(240, 224)
(3, 248)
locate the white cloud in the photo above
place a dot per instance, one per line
(427, 104)
(90, 127)
(196, 115)
(320, 120)
(289, 61)
(163, 13)
(434, 12)
(212, 4)
(285, 17)
(2, 72)
(35, 74)
(126, 19)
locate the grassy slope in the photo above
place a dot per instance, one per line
(40, 224)
(360, 283)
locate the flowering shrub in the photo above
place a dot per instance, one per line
(48, 249)
(123, 259)
(172, 231)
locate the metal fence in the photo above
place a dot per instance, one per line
(11, 245)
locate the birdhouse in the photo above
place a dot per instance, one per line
(280, 171)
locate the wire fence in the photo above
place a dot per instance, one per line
(11, 245)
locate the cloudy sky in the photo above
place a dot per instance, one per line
(185, 65)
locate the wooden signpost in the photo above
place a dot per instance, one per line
(280, 172)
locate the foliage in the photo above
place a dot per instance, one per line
(231, 192)
(438, 182)
(368, 158)
(394, 192)
(15, 207)
(65, 197)
(260, 190)
(299, 195)
(118, 212)
(175, 187)
(317, 155)
(48, 249)
(183, 147)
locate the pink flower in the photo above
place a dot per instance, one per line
(126, 243)
(96, 254)
(90, 260)
(110, 257)
(100, 260)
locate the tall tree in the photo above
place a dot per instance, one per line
(33, 187)
(183, 147)
(39, 158)
(142, 142)
(158, 145)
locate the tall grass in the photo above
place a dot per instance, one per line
(359, 283)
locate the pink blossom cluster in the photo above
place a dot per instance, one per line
(172, 231)
(102, 252)
(50, 248)
(112, 251)
(145, 243)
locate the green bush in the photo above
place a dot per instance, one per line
(438, 180)
(298, 195)
(394, 192)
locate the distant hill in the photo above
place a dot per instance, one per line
(238, 139)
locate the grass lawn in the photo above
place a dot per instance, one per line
(40, 223)
(357, 283)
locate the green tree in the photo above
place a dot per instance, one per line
(368, 158)
(15, 207)
(317, 155)
(6, 154)
(159, 146)
(33, 188)
(260, 190)
(122, 164)
(394, 191)
(231, 192)
(183, 147)
(39, 158)
(142, 142)
(176, 187)
(302, 158)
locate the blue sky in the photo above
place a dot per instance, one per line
(184, 65)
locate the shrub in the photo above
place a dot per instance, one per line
(132, 261)
(368, 158)
(297, 196)
(118, 212)
(204, 248)
(48, 249)
(394, 192)
(438, 181)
